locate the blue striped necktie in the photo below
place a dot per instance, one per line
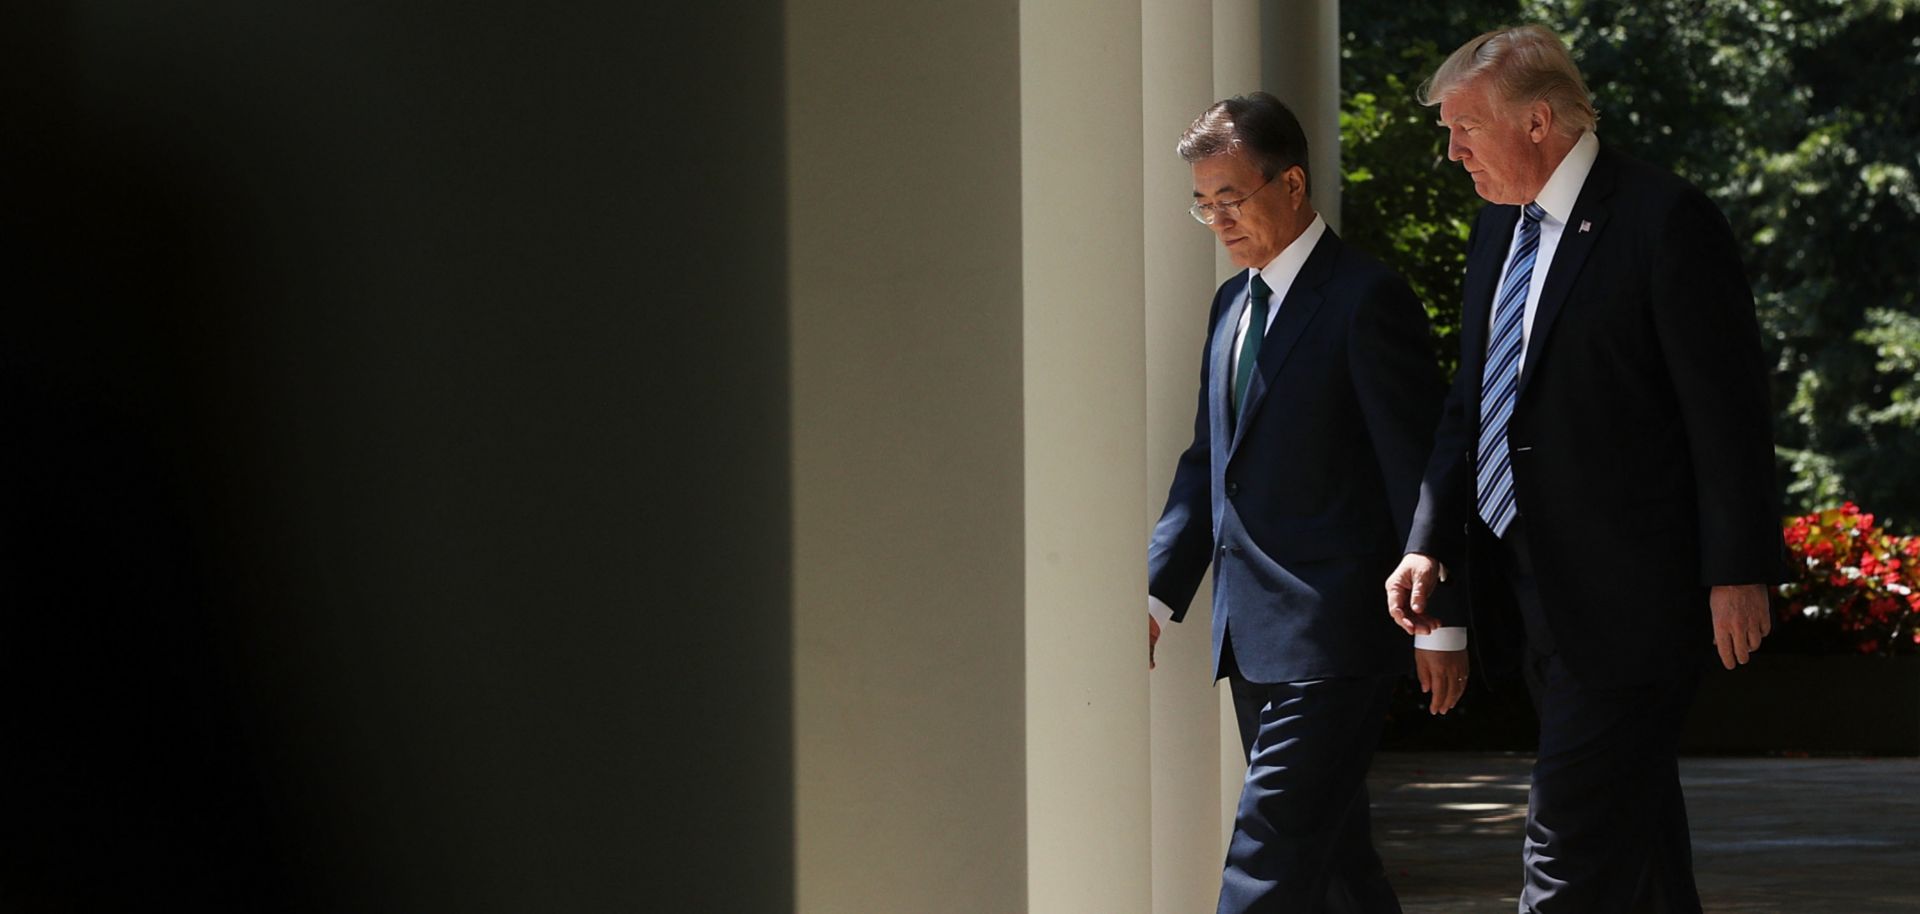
(1500, 382)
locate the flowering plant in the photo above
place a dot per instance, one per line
(1855, 585)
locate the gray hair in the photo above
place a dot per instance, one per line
(1257, 125)
(1525, 64)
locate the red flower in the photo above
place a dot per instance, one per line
(1883, 609)
(1852, 579)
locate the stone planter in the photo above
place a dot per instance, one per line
(1788, 704)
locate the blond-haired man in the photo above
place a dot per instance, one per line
(1602, 480)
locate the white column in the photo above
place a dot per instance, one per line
(1236, 47)
(975, 283)
(1236, 66)
(1177, 69)
(1088, 788)
(908, 455)
(1300, 63)
(1236, 71)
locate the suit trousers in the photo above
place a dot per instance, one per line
(1606, 822)
(1302, 838)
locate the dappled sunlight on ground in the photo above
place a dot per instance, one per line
(1808, 836)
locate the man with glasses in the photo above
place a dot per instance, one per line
(1318, 398)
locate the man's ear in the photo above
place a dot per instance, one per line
(1296, 180)
(1539, 121)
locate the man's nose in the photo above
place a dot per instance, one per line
(1455, 151)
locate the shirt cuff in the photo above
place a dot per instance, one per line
(1449, 638)
(1160, 612)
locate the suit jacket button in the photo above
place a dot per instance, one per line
(1223, 550)
(1233, 488)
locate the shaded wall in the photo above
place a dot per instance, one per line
(395, 450)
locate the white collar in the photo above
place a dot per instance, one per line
(1563, 188)
(1285, 266)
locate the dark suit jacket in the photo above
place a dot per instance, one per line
(1641, 438)
(1302, 506)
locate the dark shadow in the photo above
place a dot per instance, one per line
(376, 532)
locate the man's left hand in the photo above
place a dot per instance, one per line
(1741, 618)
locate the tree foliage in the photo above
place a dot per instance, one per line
(1402, 199)
(1800, 118)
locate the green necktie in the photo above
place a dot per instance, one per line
(1258, 293)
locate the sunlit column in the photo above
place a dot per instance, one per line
(1087, 797)
(910, 581)
(1177, 76)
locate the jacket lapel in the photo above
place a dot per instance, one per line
(1476, 312)
(1297, 309)
(1220, 367)
(1577, 239)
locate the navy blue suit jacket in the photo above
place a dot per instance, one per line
(1302, 506)
(1641, 436)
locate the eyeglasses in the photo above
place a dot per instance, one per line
(1209, 213)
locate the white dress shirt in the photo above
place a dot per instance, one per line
(1279, 274)
(1557, 198)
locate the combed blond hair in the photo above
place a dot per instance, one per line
(1525, 64)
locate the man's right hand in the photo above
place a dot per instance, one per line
(1407, 591)
(1153, 638)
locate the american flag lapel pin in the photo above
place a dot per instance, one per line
(1584, 225)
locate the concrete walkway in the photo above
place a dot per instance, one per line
(1807, 836)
